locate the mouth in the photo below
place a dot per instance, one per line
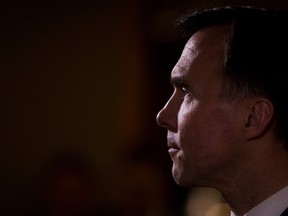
(173, 148)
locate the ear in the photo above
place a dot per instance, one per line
(259, 118)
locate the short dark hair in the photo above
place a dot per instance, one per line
(256, 61)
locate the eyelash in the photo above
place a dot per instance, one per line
(184, 90)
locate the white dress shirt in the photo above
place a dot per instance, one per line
(275, 205)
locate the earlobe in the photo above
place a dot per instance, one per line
(259, 118)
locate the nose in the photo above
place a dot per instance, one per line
(167, 116)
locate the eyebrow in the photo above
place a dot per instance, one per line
(178, 82)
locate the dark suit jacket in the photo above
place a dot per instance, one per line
(285, 213)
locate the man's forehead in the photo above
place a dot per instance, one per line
(188, 54)
(208, 41)
(180, 68)
(190, 48)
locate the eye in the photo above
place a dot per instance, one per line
(185, 90)
(186, 93)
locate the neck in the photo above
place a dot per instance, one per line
(263, 177)
(240, 203)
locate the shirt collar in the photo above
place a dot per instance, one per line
(272, 206)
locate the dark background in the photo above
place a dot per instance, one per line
(81, 83)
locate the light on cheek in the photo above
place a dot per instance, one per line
(188, 110)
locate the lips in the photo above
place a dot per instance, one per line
(172, 146)
(172, 149)
(173, 152)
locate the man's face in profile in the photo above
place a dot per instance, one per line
(204, 133)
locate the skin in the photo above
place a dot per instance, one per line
(228, 145)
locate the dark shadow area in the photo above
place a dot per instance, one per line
(81, 83)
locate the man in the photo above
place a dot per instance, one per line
(226, 119)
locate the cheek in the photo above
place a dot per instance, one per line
(191, 126)
(194, 118)
(188, 113)
(205, 130)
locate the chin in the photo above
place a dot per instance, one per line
(182, 179)
(182, 182)
(179, 178)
